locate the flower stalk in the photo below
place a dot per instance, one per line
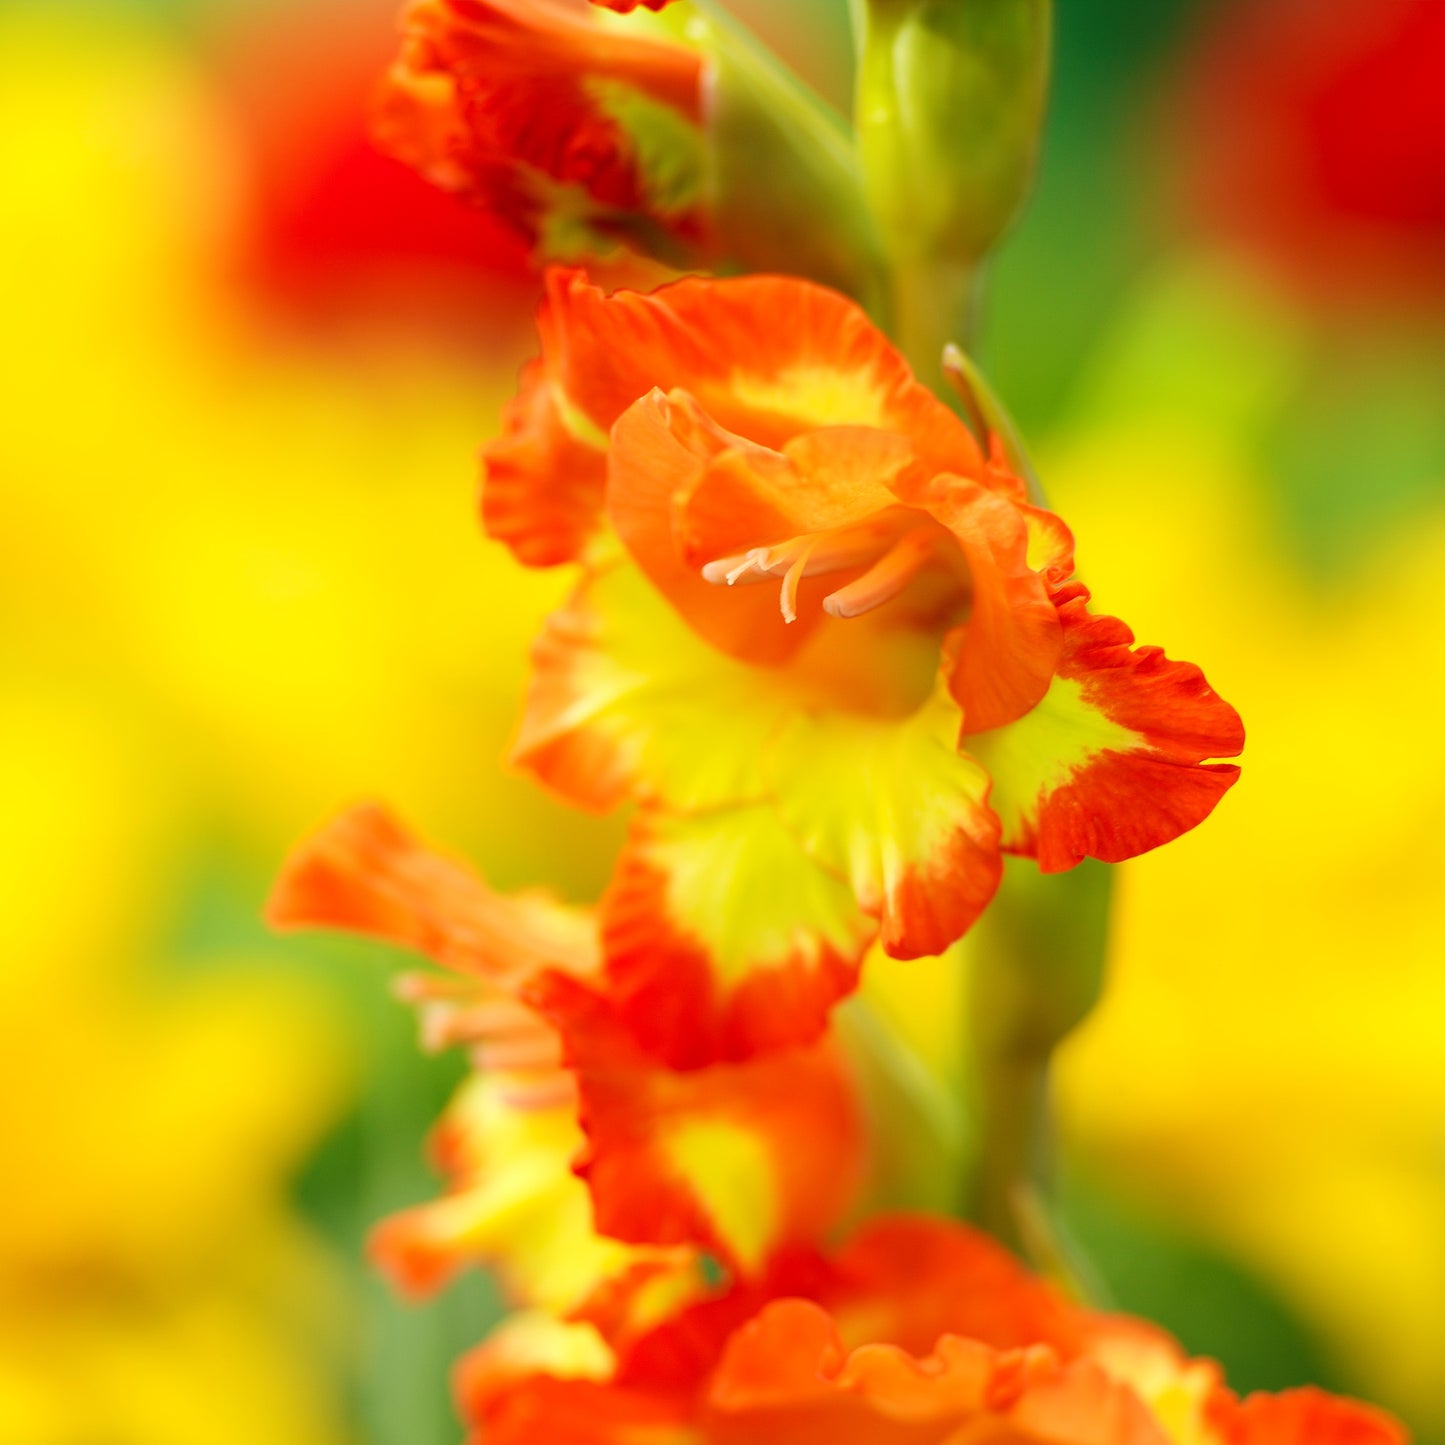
(949, 112)
(1037, 970)
(948, 108)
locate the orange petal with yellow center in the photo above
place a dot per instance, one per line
(1114, 760)
(743, 1160)
(893, 806)
(723, 938)
(627, 702)
(767, 357)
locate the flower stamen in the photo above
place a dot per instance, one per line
(814, 554)
(885, 579)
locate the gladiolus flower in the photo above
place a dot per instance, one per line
(828, 644)
(575, 133)
(745, 1161)
(919, 1332)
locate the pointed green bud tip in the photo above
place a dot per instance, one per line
(950, 108)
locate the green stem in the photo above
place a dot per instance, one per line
(786, 183)
(934, 305)
(1038, 967)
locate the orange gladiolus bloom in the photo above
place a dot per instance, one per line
(570, 131)
(846, 750)
(574, 1161)
(919, 1332)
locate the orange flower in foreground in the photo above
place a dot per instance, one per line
(745, 1161)
(848, 749)
(919, 1332)
(575, 133)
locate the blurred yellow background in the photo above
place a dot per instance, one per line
(245, 370)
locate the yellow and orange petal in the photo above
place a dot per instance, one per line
(513, 1203)
(921, 1332)
(365, 873)
(723, 939)
(894, 808)
(774, 835)
(743, 1159)
(1116, 758)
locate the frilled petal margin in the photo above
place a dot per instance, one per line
(787, 1378)
(1114, 760)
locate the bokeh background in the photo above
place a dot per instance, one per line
(246, 363)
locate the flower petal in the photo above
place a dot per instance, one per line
(1006, 654)
(1112, 762)
(543, 484)
(627, 702)
(768, 357)
(527, 1344)
(662, 450)
(514, 1203)
(722, 938)
(905, 1280)
(740, 1159)
(365, 873)
(1303, 1417)
(896, 809)
(575, 1412)
(790, 1368)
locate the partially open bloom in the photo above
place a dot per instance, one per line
(589, 1174)
(576, 133)
(918, 1332)
(825, 640)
